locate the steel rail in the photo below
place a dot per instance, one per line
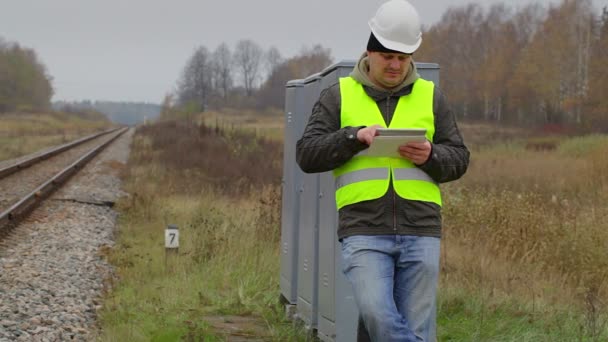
(24, 206)
(9, 170)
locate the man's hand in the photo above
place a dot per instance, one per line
(417, 152)
(367, 134)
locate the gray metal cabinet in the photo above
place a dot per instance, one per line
(308, 249)
(330, 270)
(292, 175)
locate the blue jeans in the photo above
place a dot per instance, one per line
(394, 279)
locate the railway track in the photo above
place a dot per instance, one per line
(25, 184)
(53, 269)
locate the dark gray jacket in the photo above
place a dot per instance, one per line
(325, 146)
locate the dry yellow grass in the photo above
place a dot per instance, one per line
(268, 123)
(530, 224)
(24, 133)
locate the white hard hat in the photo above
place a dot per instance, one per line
(396, 25)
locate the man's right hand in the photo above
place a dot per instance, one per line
(367, 134)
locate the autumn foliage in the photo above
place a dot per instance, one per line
(531, 66)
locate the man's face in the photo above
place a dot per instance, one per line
(388, 70)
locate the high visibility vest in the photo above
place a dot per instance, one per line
(366, 178)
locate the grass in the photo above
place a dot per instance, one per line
(270, 124)
(525, 237)
(523, 250)
(228, 257)
(584, 146)
(468, 317)
(24, 133)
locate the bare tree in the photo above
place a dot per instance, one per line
(527, 22)
(222, 62)
(195, 84)
(597, 106)
(311, 60)
(314, 59)
(247, 58)
(273, 59)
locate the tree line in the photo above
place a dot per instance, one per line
(24, 82)
(534, 66)
(246, 76)
(531, 66)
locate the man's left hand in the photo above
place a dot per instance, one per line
(417, 152)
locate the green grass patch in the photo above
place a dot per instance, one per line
(466, 316)
(584, 146)
(227, 265)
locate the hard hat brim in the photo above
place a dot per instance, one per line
(393, 45)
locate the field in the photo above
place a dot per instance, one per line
(523, 252)
(269, 125)
(24, 133)
(210, 183)
(525, 238)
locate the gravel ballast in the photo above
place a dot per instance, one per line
(52, 271)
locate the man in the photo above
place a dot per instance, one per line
(389, 208)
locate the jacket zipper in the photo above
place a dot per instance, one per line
(388, 109)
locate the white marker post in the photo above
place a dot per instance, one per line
(171, 243)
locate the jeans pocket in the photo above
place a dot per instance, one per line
(350, 246)
(355, 249)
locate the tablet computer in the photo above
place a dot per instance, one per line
(413, 132)
(388, 140)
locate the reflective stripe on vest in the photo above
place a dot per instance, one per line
(361, 175)
(367, 178)
(380, 173)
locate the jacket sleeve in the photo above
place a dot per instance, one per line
(449, 158)
(325, 146)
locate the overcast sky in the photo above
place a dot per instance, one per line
(134, 50)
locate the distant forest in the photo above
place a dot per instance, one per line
(244, 77)
(127, 113)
